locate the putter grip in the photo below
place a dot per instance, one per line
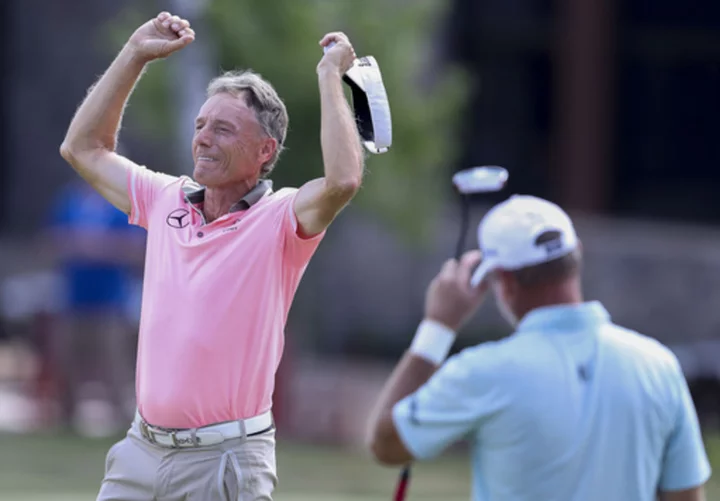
(402, 485)
(328, 47)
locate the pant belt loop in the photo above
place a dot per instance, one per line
(243, 429)
(149, 434)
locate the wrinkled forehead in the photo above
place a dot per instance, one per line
(227, 107)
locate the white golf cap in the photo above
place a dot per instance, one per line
(508, 235)
(370, 104)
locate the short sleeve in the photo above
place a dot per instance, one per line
(297, 250)
(453, 404)
(144, 185)
(685, 462)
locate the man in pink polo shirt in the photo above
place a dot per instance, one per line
(225, 254)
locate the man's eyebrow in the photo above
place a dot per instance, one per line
(224, 122)
(216, 120)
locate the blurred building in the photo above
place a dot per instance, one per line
(604, 106)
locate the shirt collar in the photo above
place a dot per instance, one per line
(195, 194)
(564, 317)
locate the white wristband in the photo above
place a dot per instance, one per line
(432, 341)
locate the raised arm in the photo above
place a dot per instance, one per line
(90, 142)
(320, 200)
(415, 392)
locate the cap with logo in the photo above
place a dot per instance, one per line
(509, 234)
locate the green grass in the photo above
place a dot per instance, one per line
(63, 468)
(56, 467)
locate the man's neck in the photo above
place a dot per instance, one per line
(569, 293)
(219, 200)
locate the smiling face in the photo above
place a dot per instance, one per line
(229, 145)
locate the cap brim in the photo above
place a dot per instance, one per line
(370, 103)
(486, 266)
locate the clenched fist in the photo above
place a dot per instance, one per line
(340, 56)
(160, 37)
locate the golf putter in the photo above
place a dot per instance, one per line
(485, 179)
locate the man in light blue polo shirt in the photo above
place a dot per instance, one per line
(570, 407)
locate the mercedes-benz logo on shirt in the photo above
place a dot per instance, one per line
(179, 218)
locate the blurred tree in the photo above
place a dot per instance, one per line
(279, 39)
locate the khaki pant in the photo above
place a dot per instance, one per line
(235, 470)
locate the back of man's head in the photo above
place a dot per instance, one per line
(556, 271)
(531, 253)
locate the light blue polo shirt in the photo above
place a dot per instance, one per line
(570, 407)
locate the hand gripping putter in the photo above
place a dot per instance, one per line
(485, 179)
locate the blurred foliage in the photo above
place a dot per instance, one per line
(149, 108)
(279, 39)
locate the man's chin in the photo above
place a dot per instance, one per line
(204, 176)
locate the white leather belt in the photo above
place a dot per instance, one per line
(207, 435)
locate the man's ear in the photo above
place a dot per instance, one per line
(508, 282)
(267, 150)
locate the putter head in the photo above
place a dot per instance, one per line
(484, 179)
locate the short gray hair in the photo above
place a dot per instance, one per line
(553, 271)
(557, 270)
(263, 99)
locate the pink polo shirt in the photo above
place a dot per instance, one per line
(215, 301)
